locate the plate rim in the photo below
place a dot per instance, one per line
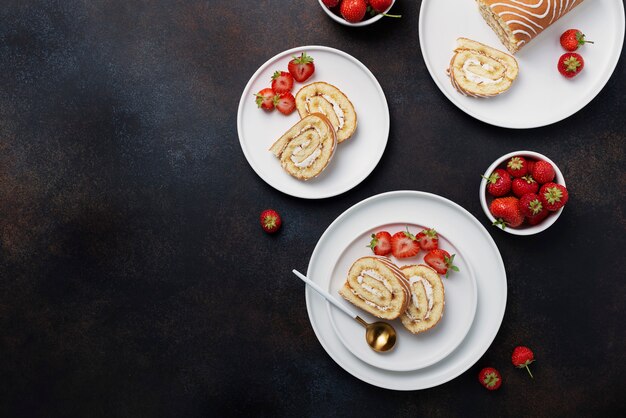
(598, 85)
(474, 307)
(474, 354)
(386, 121)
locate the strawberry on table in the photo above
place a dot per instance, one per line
(570, 64)
(266, 99)
(270, 221)
(282, 82)
(428, 239)
(507, 212)
(286, 103)
(404, 244)
(302, 67)
(441, 261)
(353, 10)
(543, 172)
(571, 39)
(524, 185)
(516, 166)
(381, 243)
(553, 196)
(490, 378)
(522, 357)
(499, 182)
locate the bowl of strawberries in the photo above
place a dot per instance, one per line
(357, 12)
(523, 192)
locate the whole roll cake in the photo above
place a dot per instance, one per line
(517, 22)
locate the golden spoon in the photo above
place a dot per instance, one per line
(379, 335)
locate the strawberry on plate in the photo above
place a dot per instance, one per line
(286, 103)
(428, 239)
(270, 221)
(522, 357)
(570, 64)
(282, 82)
(490, 378)
(302, 67)
(553, 196)
(507, 212)
(353, 10)
(498, 183)
(266, 99)
(404, 244)
(381, 243)
(441, 261)
(571, 39)
(516, 166)
(524, 185)
(543, 172)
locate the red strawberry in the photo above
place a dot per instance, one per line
(381, 243)
(530, 205)
(302, 67)
(570, 64)
(270, 221)
(530, 164)
(282, 82)
(266, 99)
(553, 196)
(428, 239)
(543, 172)
(353, 10)
(507, 212)
(571, 39)
(330, 3)
(498, 183)
(517, 167)
(524, 186)
(522, 357)
(536, 219)
(286, 103)
(403, 244)
(490, 378)
(380, 6)
(441, 261)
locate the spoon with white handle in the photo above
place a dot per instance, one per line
(379, 335)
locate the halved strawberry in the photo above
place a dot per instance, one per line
(282, 82)
(266, 99)
(381, 243)
(441, 261)
(404, 244)
(302, 67)
(428, 239)
(286, 103)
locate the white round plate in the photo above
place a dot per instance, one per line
(259, 129)
(412, 352)
(477, 248)
(541, 95)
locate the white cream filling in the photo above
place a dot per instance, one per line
(478, 79)
(429, 293)
(376, 276)
(336, 108)
(297, 150)
(369, 302)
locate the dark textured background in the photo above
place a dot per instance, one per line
(136, 281)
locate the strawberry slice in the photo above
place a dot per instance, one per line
(404, 244)
(428, 239)
(266, 99)
(286, 103)
(302, 67)
(381, 243)
(282, 82)
(441, 261)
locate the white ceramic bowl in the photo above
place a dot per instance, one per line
(486, 198)
(343, 21)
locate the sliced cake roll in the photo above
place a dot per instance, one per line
(427, 299)
(377, 286)
(328, 100)
(517, 22)
(478, 70)
(307, 147)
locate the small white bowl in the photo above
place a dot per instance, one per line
(343, 21)
(486, 198)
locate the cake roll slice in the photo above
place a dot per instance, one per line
(427, 298)
(307, 147)
(477, 70)
(517, 22)
(328, 100)
(377, 286)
